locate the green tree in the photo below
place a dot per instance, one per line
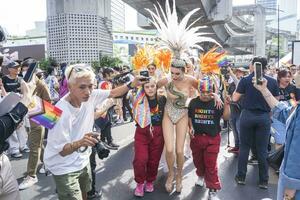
(47, 62)
(108, 61)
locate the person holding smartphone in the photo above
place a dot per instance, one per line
(255, 122)
(148, 139)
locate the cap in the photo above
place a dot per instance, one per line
(205, 85)
(13, 65)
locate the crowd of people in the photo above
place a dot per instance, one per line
(177, 106)
(88, 102)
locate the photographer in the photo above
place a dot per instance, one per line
(8, 124)
(103, 119)
(255, 123)
(12, 83)
(235, 108)
(67, 151)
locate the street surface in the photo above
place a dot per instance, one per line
(115, 176)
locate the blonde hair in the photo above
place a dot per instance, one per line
(76, 71)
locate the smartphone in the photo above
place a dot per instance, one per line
(144, 73)
(29, 74)
(258, 73)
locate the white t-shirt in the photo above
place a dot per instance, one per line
(72, 126)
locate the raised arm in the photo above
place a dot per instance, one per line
(270, 99)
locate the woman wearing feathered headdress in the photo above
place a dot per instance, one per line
(178, 38)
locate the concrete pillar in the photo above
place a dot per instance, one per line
(259, 31)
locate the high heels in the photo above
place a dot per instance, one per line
(169, 183)
(178, 183)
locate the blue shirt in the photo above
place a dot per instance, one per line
(253, 99)
(289, 171)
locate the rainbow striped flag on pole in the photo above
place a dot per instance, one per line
(44, 113)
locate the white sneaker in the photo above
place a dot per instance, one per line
(28, 182)
(213, 195)
(200, 181)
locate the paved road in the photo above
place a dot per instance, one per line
(115, 175)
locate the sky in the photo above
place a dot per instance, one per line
(17, 19)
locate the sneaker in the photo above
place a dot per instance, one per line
(94, 195)
(139, 190)
(200, 181)
(28, 182)
(239, 180)
(263, 185)
(16, 155)
(113, 145)
(109, 146)
(233, 150)
(25, 150)
(149, 187)
(120, 121)
(253, 161)
(213, 194)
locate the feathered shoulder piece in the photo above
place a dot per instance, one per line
(178, 37)
(212, 61)
(162, 59)
(143, 57)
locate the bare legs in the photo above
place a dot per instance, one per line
(181, 129)
(168, 130)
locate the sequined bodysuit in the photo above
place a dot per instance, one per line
(175, 105)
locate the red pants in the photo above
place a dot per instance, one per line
(147, 153)
(205, 151)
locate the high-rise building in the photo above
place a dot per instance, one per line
(118, 15)
(79, 30)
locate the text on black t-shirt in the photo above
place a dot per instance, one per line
(205, 117)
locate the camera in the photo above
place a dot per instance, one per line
(101, 150)
(144, 73)
(224, 70)
(121, 78)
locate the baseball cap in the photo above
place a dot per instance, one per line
(13, 65)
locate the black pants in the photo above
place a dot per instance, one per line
(106, 134)
(126, 105)
(93, 168)
(255, 128)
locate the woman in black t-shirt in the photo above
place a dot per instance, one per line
(148, 109)
(287, 90)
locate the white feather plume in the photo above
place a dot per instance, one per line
(177, 36)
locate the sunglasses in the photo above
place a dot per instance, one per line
(79, 68)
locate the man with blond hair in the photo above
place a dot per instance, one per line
(68, 148)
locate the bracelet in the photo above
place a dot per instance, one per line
(129, 85)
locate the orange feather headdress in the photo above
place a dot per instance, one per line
(212, 61)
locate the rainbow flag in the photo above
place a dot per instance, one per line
(45, 114)
(222, 61)
(293, 102)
